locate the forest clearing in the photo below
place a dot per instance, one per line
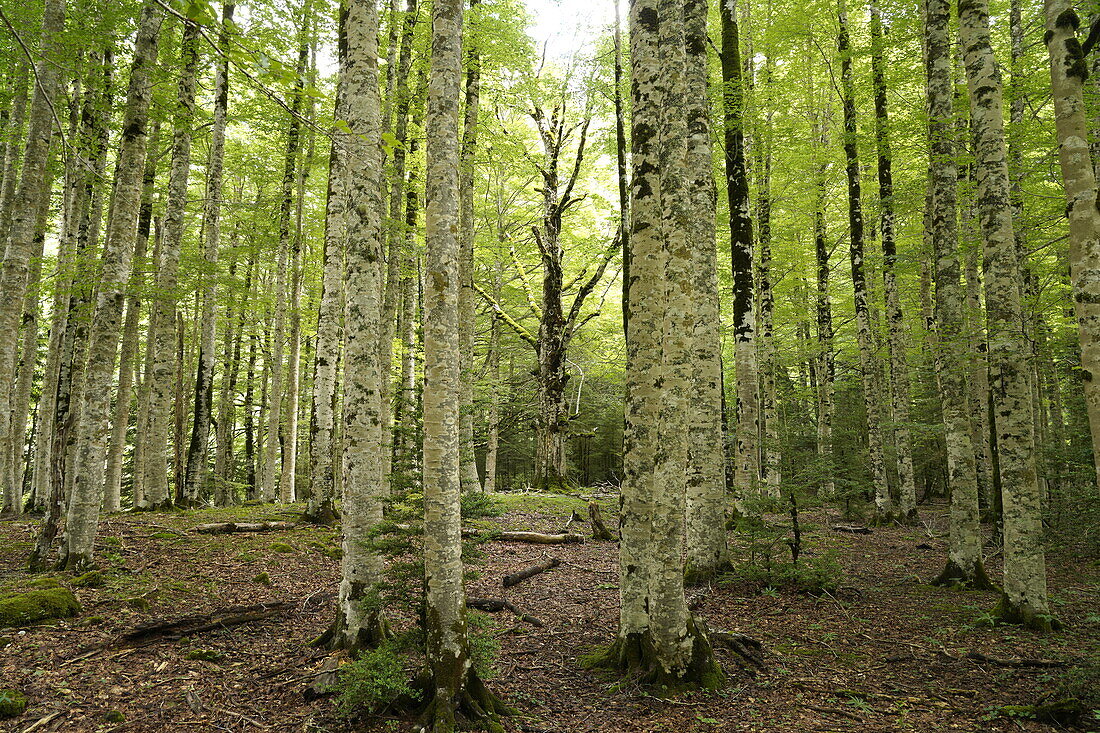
(882, 651)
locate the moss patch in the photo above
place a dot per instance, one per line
(47, 582)
(38, 605)
(263, 579)
(282, 547)
(92, 579)
(12, 703)
(206, 655)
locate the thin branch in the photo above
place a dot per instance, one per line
(503, 317)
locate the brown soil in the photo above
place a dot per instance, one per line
(885, 652)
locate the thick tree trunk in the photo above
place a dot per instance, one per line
(1068, 73)
(19, 242)
(896, 336)
(82, 515)
(162, 325)
(357, 624)
(705, 498)
(454, 683)
(1025, 598)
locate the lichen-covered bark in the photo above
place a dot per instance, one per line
(705, 519)
(1068, 73)
(1025, 588)
(162, 328)
(964, 563)
(19, 240)
(825, 362)
(82, 514)
(358, 621)
(896, 337)
(321, 507)
(746, 461)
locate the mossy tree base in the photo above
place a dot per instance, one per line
(326, 515)
(472, 707)
(38, 605)
(635, 658)
(370, 636)
(955, 576)
(1007, 612)
(164, 506)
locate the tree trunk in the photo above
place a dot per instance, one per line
(885, 511)
(1068, 72)
(82, 515)
(964, 564)
(198, 449)
(705, 497)
(19, 243)
(746, 462)
(826, 358)
(469, 477)
(454, 682)
(1025, 598)
(896, 336)
(162, 325)
(357, 624)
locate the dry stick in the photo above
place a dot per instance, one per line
(517, 577)
(495, 605)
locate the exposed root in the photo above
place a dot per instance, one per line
(370, 635)
(1008, 612)
(472, 707)
(635, 658)
(326, 515)
(955, 576)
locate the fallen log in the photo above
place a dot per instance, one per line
(750, 651)
(231, 527)
(496, 605)
(537, 538)
(1039, 663)
(173, 629)
(518, 577)
(851, 528)
(599, 529)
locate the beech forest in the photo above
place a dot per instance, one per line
(549, 366)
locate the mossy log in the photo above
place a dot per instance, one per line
(231, 527)
(536, 538)
(28, 608)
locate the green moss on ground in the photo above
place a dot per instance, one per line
(38, 605)
(262, 578)
(282, 547)
(92, 579)
(206, 655)
(12, 703)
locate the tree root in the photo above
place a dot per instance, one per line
(370, 636)
(474, 706)
(636, 659)
(1007, 612)
(954, 576)
(326, 516)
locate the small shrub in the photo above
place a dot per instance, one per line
(477, 504)
(812, 576)
(371, 683)
(483, 646)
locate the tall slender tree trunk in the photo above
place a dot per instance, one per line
(896, 335)
(82, 515)
(225, 433)
(746, 459)
(357, 623)
(885, 511)
(162, 324)
(30, 193)
(141, 432)
(705, 498)
(1025, 591)
(321, 507)
(198, 449)
(964, 564)
(826, 359)
(469, 477)
(455, 684)
(1068, 72)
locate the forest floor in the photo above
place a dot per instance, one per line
(884, 652)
